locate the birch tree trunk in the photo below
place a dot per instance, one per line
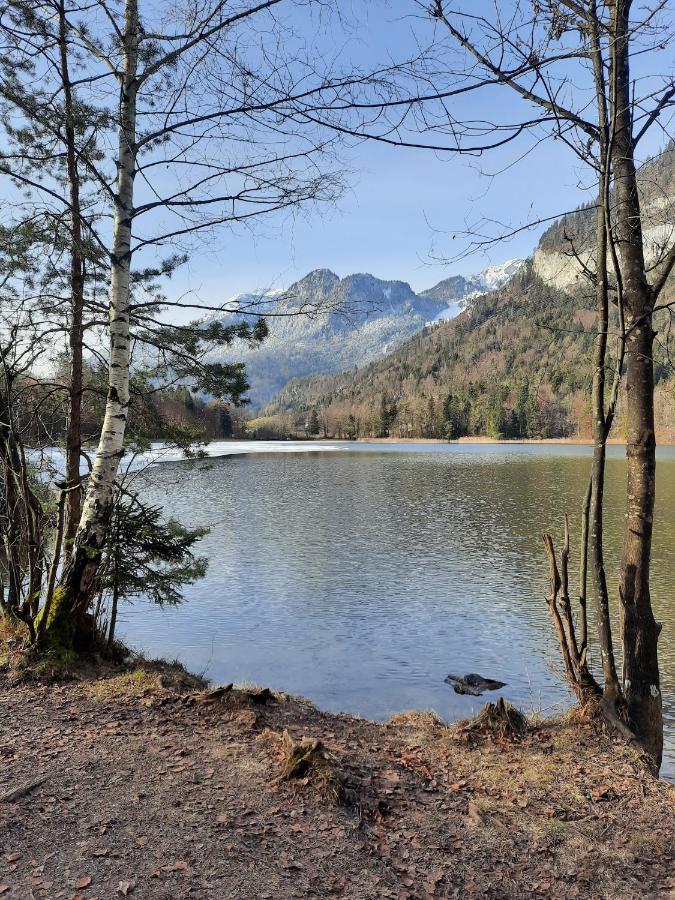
(71, 599)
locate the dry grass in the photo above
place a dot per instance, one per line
(138, 681)
(424, 718)
(231, 801)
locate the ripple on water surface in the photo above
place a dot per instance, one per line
(361, 578)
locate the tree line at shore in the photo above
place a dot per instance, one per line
(509, 367)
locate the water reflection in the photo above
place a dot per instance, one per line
(361, 578)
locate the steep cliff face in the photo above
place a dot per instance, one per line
(559, 269)
(555, 258)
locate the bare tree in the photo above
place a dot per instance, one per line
(179, 124)
(569, 61)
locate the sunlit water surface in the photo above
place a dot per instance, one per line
(361, 575)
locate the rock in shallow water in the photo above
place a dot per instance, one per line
(473, 684)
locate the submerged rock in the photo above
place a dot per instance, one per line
(473, 684)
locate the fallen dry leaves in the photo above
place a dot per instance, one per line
(164, 798)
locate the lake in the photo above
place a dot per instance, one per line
(360, 575)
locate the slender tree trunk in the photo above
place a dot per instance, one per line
(601, 423)
(74, 424)
(34, 536)
(23, 535)
(77, 586)
(113, 613)
(54, 567)
(12, 534)
(640, 631)
(611, 688)
(583, 573)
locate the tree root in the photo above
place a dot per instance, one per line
(307, 761)
(501, 721)
(208, 698)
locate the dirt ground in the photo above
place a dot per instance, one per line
(151, 793)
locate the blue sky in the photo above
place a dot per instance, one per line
(403, 208)
(397, 217)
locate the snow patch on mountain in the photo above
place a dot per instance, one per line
(459, 290)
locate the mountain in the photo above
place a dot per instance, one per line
(514, 363)
(458, 290)
(325, 324)
(514, 360)
(459, 287)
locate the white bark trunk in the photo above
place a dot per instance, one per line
(111, 444)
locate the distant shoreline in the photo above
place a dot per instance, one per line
(581, 442)
(586, 442)
(475, 439)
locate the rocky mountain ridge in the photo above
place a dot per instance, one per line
(325, 324)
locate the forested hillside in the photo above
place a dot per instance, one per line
(324, 323)
(169, 413)
(515, 364)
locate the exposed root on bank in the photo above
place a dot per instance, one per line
(208, 698)
(308, 762)
(499, 721)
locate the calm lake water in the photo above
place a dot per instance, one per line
(361, 575)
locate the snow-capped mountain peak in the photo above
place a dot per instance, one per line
(495, 276)
(459, 290)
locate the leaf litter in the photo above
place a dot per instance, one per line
(177, 791)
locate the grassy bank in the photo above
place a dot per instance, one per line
(137, 781)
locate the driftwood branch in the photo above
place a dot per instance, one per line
(570, 633)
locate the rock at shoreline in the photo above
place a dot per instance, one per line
(473, 684)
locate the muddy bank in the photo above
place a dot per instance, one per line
(154, 790)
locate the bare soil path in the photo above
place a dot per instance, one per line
(148, 795)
